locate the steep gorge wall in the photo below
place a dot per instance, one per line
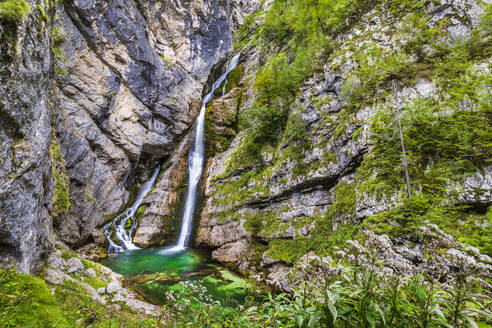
(25, 136)
(94, 95)
(130, 83)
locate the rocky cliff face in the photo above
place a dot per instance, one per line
(159, 221)
(323, 181)
(25, 138)
(130, 81)
(93, 96)
(303, 160)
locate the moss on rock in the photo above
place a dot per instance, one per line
(61, 196)
(14, 10)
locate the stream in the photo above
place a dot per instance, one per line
(153, 272)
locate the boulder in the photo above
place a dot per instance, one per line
(74, 264)
(113, 287)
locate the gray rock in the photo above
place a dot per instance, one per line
(54, 276)
(90, 272)
(136, 72)
(25, 134)
(277, 276)
(231, 253)
(485, 258)
(163, 200)
(113, 287)
(101, 290)
(56, 261)
(74, 264)
(287, 202)
(476, 189)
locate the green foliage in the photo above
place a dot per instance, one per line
(268, 123)
(296, 129)
(288, 250)
(357, 297)
(190, 305)
(26, 301)
(295, 27)
(80, 310)
(468, 227)
(447, 137)
(57, 35)
(14, 10)
(344, 201)
(138, 215)
(405, 6)
(233, 78)
(339, 296)
(42, 16)
(61, 197)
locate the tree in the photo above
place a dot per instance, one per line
(404, 155)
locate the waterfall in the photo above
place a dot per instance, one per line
(119, 223)
(195, 163)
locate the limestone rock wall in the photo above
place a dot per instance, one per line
(25, 136)
(93, 95)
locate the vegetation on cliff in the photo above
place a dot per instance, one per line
(447, 134)
(61, 197)
(14, 10)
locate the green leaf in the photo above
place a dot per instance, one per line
(314, 320)
(333, 311)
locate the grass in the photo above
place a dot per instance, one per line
(26, 301)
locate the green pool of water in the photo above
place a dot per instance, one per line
(152, 273)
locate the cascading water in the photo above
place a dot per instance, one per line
(195, 163)
(119, 224)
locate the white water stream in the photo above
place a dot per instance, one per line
(195, 163)
(119, 222)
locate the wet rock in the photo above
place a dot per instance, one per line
(158, 221)
(90, 273)
(221, 119)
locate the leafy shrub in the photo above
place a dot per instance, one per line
(340, 296)
(14, 10)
